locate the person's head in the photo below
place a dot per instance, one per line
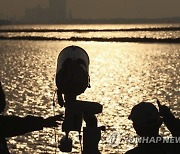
(2, 99)
(146, 119)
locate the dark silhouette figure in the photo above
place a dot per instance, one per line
(72, 79)
(13, 125)
(146, 122)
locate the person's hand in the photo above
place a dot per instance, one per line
(2, 99)
(53, 121)
(163, 110)
(2, 95)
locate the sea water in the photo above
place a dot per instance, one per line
(122, 74)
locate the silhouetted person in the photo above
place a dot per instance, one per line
(14, 125)
(146, 122)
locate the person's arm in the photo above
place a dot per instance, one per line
(14, 125)
(172, 123)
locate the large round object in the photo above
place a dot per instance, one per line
(72, 76)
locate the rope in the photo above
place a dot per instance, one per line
(54, 104)
(80, 139)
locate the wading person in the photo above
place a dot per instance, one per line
(146, 122)
(13, 125)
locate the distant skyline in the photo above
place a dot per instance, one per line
(16, 8)
(55, 12)
(96, 9)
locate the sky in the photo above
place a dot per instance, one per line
(16, 8)
(95, 9)
(126, 8)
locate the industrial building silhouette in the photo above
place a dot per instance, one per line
(56, 12)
